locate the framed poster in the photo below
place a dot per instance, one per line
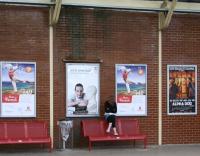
(131, 89)
(18, 89)
(82, 89)
(182, 89)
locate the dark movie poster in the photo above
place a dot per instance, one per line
(182, 89)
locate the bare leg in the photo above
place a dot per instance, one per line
(115, 131)
(109, 127)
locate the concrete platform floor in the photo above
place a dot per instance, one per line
(165, 150)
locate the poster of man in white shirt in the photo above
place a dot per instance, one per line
(82, 83)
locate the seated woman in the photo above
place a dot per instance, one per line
(110, 111)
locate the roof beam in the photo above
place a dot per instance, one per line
(135, 5)
(28, 2)
(114, 4)
(187, 7)
(117, 4)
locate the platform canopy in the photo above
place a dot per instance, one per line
(143, 5)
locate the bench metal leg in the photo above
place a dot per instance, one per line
(50, 146)
(133, 143)
(145, 142)
(90, 145)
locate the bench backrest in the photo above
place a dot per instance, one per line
(23, 130)
(15, 130)
(37, 129)
(2, 131)
(93, 127)
(128, 126)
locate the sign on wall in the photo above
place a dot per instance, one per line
(18, 89)
(82, 89)
(182, 89)
(131, 89)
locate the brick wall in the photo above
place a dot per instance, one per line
(24, 36)
(181, 46)
(117, 37)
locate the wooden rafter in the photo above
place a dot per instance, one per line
(165, 17)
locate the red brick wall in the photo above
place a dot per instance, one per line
(24, 36)
(181, 46)
(117, 37)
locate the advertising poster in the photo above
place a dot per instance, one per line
(18, 92)
(182, 89)
(0, 89)
(82, 84)
(131, 89)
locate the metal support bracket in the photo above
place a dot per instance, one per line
(165, 17)
(55, 12)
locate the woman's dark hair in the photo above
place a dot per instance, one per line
(111, 102)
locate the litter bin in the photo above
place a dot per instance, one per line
(65, 131)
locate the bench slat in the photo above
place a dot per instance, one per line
(36, 130)
(16, 130)
(2, 131)
(93, 128)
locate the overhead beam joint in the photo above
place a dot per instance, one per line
(166, 16)
(56, 12)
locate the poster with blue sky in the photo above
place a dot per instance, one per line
(131, 89)
(18, 89)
